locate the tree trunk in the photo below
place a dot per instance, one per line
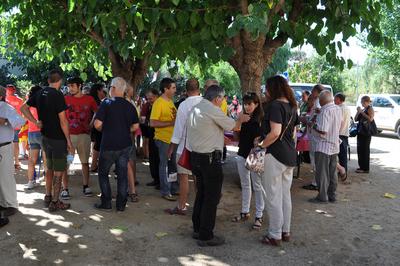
(251, 59)
(132, 70)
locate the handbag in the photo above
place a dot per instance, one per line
(353, 130)
(184, 160)
(256, 157)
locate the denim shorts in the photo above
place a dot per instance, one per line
(35, 140)
(16, 139)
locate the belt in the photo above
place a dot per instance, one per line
(212, 156)
(5, 143)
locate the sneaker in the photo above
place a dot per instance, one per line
(47, 200)
(58, 205)
(102, 207)
(30, 185)
(65, 195)
(87, 192)
(215, 241)
(169, 197)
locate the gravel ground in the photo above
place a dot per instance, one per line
(362, 228)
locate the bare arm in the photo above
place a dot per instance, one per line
(28, 115)
(160, 124)
(272, 136)
(65, 128)
(98, 124)
(134, 127)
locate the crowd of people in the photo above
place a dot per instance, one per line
(103, 124)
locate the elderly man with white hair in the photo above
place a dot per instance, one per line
(117, 119)
(327, 143)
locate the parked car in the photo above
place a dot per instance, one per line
(387, 111)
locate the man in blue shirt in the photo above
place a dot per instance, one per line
(117, 120)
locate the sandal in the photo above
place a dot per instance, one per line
(266, 240)
(243, 217)
(285, 236)
(134, 197)
(342, 177)
(257, 223)
(17, 166)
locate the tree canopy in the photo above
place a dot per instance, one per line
(127, 37)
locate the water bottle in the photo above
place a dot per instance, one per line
(70, 160)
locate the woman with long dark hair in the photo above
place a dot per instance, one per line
(281, 157)
(248, 133)
(364, 115)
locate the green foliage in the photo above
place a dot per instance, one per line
(113, 35)
(317, 70)
(279, 63)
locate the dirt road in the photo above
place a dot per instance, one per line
(363, 228)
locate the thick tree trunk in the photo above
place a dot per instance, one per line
(132, 70)
(251, 59)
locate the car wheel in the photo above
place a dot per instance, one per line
(398, 130)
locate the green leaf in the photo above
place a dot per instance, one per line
(139, 21)
(349, 63)
(175, 2)
(83, 76)
(182, 18)
(208, 18)
(270, 3)
(194, 19)
(71, 5)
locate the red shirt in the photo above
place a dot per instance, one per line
(79, 113)
(15, 102)
(31, 126)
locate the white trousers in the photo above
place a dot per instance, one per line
(8, 187)
(277, 180)
(246, 179)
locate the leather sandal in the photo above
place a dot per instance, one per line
(243, 217)
(266, 240)
(285, 236)
(257, 223)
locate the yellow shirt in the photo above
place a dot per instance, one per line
(163, 111)
(224, 107)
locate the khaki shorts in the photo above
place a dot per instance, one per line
(81, 144)
(179, 168)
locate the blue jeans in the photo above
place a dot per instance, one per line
(106, 160)
(166, 188)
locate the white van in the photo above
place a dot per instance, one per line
(387, 111)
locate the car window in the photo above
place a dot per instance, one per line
(396, 99)
(381, 102)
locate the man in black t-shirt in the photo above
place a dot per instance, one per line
(117, 119)
(53, 122)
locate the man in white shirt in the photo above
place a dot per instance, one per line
(343, 134)
(9, 119)
(327, 142)
(179, 138)
(205, 140)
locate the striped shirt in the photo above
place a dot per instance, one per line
(329, 121)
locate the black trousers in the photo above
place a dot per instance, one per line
(343, 151)
(154, 160)
(209, 178)
(363, 151)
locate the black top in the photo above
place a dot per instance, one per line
(117, 115)
(248, 132)
(283, 150)
(49, 102)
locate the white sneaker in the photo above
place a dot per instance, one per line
(88, 192)
(65, 195)
(30, 185)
